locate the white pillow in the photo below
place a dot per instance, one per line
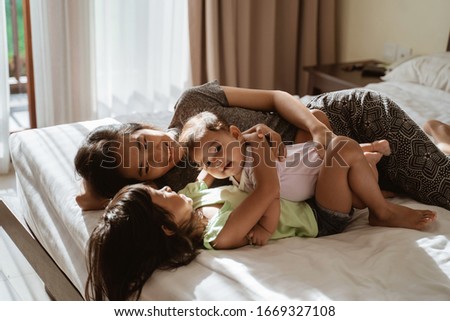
(429, 70)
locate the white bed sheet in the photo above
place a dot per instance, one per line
(363, 263)
(47, 185)
(420, 102)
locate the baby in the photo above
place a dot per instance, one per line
(221, 151)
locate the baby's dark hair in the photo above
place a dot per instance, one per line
(129, 244)
(97, 160)
(196, 127)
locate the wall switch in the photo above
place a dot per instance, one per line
(390, 52)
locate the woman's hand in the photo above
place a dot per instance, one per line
(88, 200)
(273, 138)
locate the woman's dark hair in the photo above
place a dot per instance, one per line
(129, 244)
(98, 161)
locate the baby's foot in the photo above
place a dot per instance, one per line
(401, 216)
(373, 157)
(381, 146)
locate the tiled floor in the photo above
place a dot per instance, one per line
(18, 280)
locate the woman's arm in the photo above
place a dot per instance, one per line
(249, 212)
(88, 200)
(289, 107)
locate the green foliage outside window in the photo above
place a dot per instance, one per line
(9, 29)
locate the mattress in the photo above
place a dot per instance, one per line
(363, 263)
(46, 186)
(420, 102)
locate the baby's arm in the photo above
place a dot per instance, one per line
(267, 224)
(244, 218)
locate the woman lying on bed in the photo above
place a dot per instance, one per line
(415, 167)
(144, 229)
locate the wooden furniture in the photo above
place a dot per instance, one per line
(325, 78)
(57, 285)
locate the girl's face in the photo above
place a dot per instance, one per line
(220, 153)
(148, 154)
(179, 205)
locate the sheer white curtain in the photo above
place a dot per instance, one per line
(63, 53)
(142, 51)
(4, 94)
(101, 58)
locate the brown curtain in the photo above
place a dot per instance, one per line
(260, 43)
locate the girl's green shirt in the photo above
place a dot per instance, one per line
(296, 218)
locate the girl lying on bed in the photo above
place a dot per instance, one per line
(144, 229)
(364, 115)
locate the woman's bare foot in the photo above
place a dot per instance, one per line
(435, 127)
(395, 215)
(441, 134)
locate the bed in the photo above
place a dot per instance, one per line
(363, 263)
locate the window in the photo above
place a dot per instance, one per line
(18, 60)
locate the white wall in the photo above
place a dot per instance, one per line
(364, 26)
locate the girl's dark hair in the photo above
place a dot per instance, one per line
(98, 161)
(129, 244)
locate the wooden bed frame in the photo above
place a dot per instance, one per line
(57, 285)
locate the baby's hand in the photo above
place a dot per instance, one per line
(258, 236)
(260, 131)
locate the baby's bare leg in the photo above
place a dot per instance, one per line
(373, 158)
(346, 172)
